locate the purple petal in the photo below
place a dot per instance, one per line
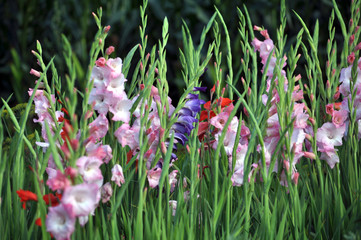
(203, 89)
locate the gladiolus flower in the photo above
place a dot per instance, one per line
(330, 135)
(83, 197)
(106, 192)
(25, 196)
(60, 221)
(89, 169)
(117, 175)
(52, 200)
(154, 176)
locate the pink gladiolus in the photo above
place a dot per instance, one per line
(127, 136)
(102, 152)
(115, 65)
(328, 153)
(89, 169)
(58, 181)
(106, 192)
(220, 120)
(83, 197)
(330, 135)
(173, 180)
(117, 175)
(339, 117)
(121, 110)
(154, 176)
(329, 109)
(99, 127)
(100, 62)
(116, 87)
(61, 221)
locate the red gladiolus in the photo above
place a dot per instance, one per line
(51, 199)
(38, 222)
(25, 196)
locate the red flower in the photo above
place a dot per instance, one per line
(225, 102)
(38, 222)
(51, 199)
(204, 114)
(26, 196)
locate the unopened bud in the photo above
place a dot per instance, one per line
(109, 50)
(328, 85)
(296, 175)
(310, 155)
(312, 97)
(163, 147)
(243, 81)
(88, 114)
(106, 29)
(213, 89)
(286, 164)
(188, 149)
(161, 133)
(245, 111)
(313, 122)
(256, 28)
(309, 137)
(34, 72)
(351, 58)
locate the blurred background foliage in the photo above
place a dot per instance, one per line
(23, 22)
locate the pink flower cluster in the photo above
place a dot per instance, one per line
(108, 92)
(128, 135)
(299, 113)
(78, 200)
(330, 134)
